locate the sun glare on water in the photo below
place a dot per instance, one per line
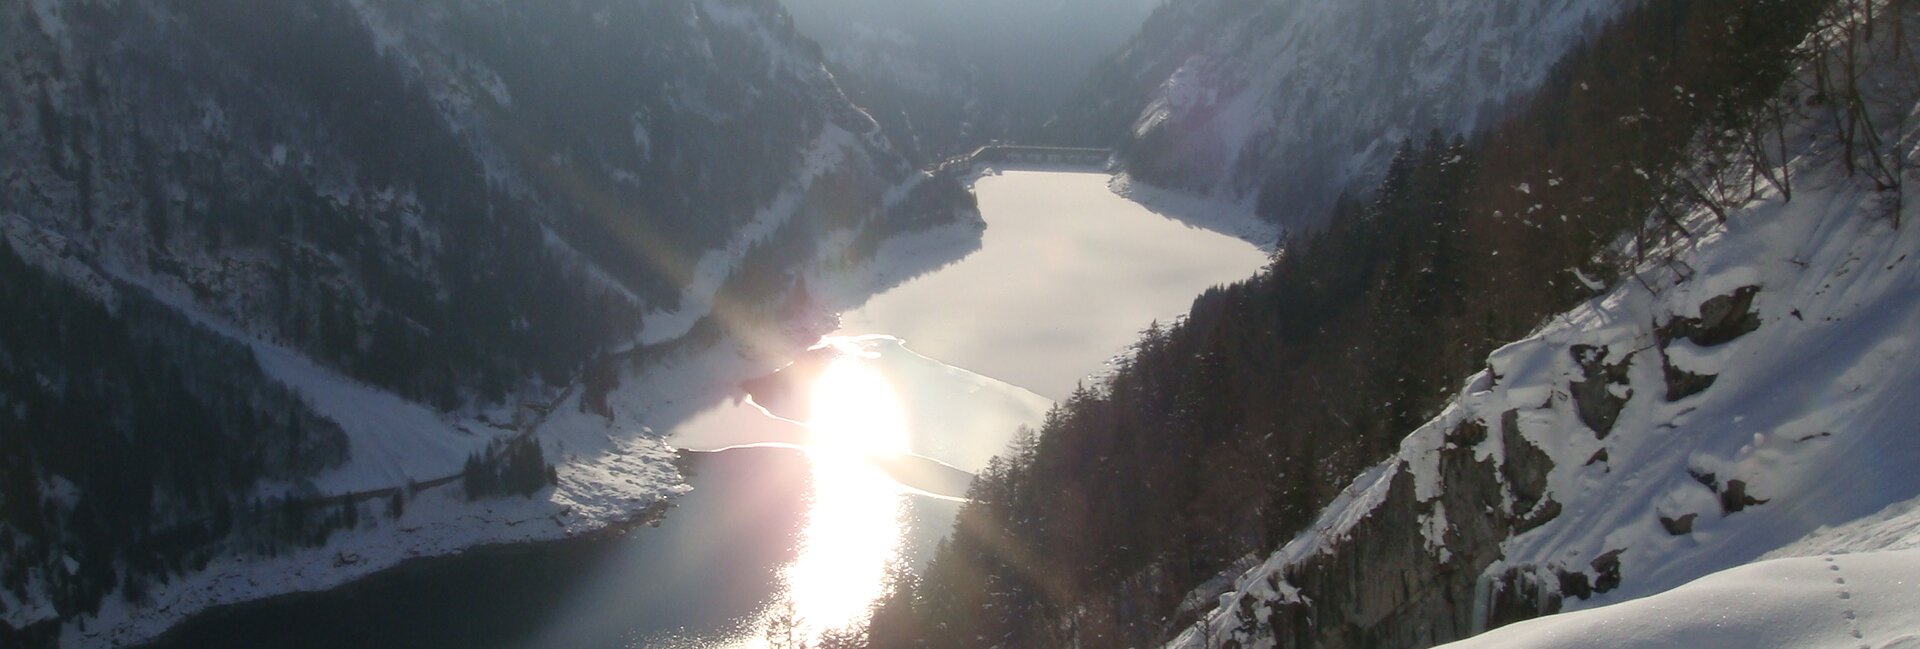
(854, 411)
(854, 524)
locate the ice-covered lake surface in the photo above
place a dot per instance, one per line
(1068, 275)
(943, 367)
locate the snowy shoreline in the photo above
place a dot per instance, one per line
(616, 470)
(1235, 220)
(652, 516)
(614, 473)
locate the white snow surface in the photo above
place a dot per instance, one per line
(1852, 601)
(390, 440)
(1812, 411)
(1895, 528)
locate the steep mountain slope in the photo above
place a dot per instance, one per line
(953, 75)
(1740, 392)
(1294, 101)
(933, 97)
(1229, 431)
(295, 262)
(1645, 439)
(401, 166)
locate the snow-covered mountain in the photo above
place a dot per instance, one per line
(1293, 101)
(527, 178)
(1743, 395)
(935, 100)
(293, 263)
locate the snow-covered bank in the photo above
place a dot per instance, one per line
(612, 473)
(613, 455)
(1751, 395)
(1854, 601)
(1895, 528)
(611, 470)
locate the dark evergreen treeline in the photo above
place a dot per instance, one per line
(131, 439)
(515, 466)
(1226, 432)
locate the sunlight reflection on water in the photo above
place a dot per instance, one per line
(854, 528)
(853, 533)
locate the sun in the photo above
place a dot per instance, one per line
(855, 412)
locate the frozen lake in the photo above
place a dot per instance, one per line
(941, 370)
(1068, 275)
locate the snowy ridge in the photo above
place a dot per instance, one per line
(1895, 528)
(1803, 315)
(1836, 602)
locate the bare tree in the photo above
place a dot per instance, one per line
(1866, 81)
